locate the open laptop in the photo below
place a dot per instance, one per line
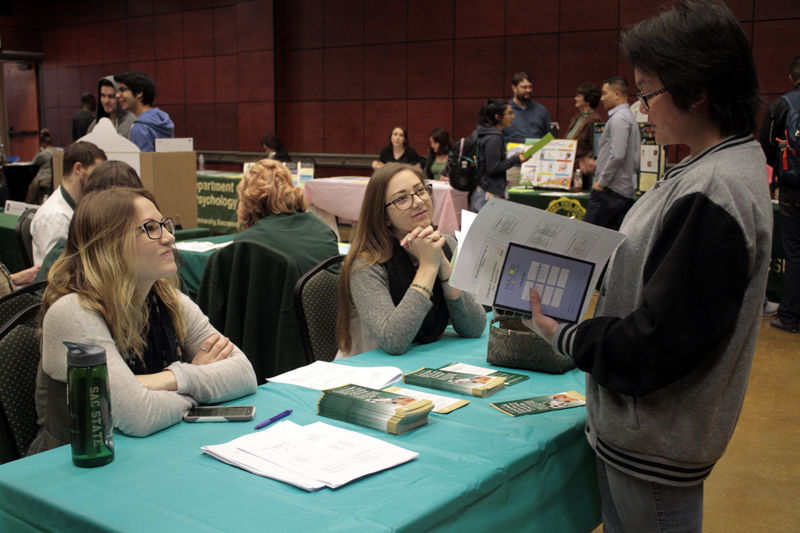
(562, 282)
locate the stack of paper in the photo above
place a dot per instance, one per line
(321, 375)
(462, 383)
(441, 404)
(381, 410)
(200, 246)
(310, 457)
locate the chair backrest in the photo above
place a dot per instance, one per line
(316, 300)
(24, 238)
(19, 360)
(20, 299)
(247, 294)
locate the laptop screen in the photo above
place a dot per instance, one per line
(562, 282)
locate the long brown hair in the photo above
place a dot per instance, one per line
(99, 265)
(372, 242)
(266, 189)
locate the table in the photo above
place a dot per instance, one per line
(478, 470)
(342, 196)
(18, 177)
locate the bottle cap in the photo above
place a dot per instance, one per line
(83, 355)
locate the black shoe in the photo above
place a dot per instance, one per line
(780, 324)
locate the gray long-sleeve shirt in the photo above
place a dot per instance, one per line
(619, 152)
(393, 328)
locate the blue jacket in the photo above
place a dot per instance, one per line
(151, 125)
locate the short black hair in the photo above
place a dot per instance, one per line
(82, 152)
(489, 111)
(89, 101)
(794, 69)
(270, 140)
(519, 76)
(698, 49)
(590, 93)
(138, 82)
(618, 82)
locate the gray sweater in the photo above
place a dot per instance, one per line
(136, 410)
(669, 351)
(393, 328)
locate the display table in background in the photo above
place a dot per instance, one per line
(217, 200)
(478, 470)
(341, 197)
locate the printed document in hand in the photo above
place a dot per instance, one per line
(559, 244)
(310, 457)
(322, 375)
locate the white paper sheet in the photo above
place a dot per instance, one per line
(322, 375)
(200, 246)
(310, 457)
(500, 222)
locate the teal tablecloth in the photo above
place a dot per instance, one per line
(478, 470)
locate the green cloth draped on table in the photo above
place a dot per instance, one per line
(478, 470)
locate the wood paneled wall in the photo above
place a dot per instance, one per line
(336, 76)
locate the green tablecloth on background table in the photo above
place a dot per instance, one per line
(10, 254)
(478, 470)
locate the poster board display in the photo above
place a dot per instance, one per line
(552, 166)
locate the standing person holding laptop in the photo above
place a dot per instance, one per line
(668, 354)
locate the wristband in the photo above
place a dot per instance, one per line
(423, 288)
(445, 280)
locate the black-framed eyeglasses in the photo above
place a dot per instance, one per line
(405, 201)
(154, 228)
(643, 98)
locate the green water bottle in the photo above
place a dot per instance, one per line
(89, 403)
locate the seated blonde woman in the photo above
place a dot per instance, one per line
(272, 211)
(394, 286)
(116, 285)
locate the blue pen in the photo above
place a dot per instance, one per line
(275, 418)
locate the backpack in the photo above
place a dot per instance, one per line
(463, 164)
(788, 170)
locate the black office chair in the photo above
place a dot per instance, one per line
(24, 238)
(20, 299)
(19, 360)
(316, 300)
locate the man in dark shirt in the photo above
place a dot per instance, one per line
(81, 120)
(531, 119)
(773, 128)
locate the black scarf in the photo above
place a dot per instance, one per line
(162, 342)
(401, 272)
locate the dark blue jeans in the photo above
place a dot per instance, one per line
(789, 309)
(607, 208)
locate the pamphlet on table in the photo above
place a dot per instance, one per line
(460, 382)
(441, 404)
(562, 246)
(310, 457)
(377, 409)
(511, 377)
(541, 404)
(322, 375)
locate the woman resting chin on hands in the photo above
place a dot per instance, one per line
(394, 286)
(115, 285)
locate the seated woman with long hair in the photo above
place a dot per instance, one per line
(394, 280)
(116, 285)
(398, 150)
(272, 211)
(437, 154)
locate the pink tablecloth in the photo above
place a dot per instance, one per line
(342, 197)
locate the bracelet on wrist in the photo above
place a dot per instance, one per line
(426, 290)
(445, 280)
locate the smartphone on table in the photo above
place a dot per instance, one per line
(220, 413)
